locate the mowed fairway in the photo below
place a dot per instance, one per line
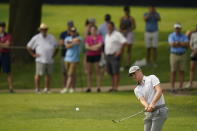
(55, 112)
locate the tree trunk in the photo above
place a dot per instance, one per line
(24, 20)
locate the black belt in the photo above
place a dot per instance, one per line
(178, 53)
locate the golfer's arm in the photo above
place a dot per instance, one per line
(143, 102)
(157, 95)
(31, 52)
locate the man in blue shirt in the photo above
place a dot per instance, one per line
(151, 19)
(178, 44)
(71, 58)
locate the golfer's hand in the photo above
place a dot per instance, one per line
(35, 55)
(150, 108)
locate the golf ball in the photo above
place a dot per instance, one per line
(77, 108)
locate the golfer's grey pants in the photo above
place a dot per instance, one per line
(154, 121)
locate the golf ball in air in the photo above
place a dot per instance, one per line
(77, 108)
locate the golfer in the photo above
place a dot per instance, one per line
(149, 93)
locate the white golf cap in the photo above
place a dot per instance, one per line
(133, 69)
(177, 25)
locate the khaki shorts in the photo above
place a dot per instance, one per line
(151, 39)
(178, 62)
(43, 69)
(70, 68)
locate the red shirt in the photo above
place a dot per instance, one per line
(90, 41)
(3, 39)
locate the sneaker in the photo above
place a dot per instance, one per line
(88, 90)
(46, 90)
(188, 85)
(65, 90)
(71, 90)
(37, 90)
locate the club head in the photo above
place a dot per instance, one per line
(115, 121)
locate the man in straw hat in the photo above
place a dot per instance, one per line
(42, 47)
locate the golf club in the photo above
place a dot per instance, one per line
(125, 118)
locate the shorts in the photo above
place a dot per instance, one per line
(70, 68)
(130, 37)
(44, 69)
(5, 62)
(93, 59)
(193, 58)
(113, 64)
(151, 39)
(178, 62)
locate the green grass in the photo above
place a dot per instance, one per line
(22, 112)
(57, 15)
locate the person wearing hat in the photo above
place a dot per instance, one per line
(5, 60)
(71, 59)
(127, 26)
(178, 45)
(62, 37)
(149, 93)
(151, 18)
(42, 47)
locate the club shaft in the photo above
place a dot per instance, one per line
(131, 116)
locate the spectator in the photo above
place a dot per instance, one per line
(44, 45)
(114, 45)
(93, 44)
(88, 24)
(178, 44)
(103, 30)
(193, 63)
(63, 35)
(127, 26)
(5, 61)
(151, 35)
(71, 59)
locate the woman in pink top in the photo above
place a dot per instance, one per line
(93, 45)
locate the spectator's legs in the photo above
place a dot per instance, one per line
(115, 81)
(89, 74)
(129, 54)
(98, 75)
(10, 81)
(148, 54)
(181, 79)
(154, 55)
(173, 79)
(192, 72)
(47, 82)
(69, 81)
(64, 79)
(37, 82)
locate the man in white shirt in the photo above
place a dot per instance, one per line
(114, 45)
(42, 47)
(149, 93)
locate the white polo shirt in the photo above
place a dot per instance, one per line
(44, 46)
(147, 90)
(114, 42)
